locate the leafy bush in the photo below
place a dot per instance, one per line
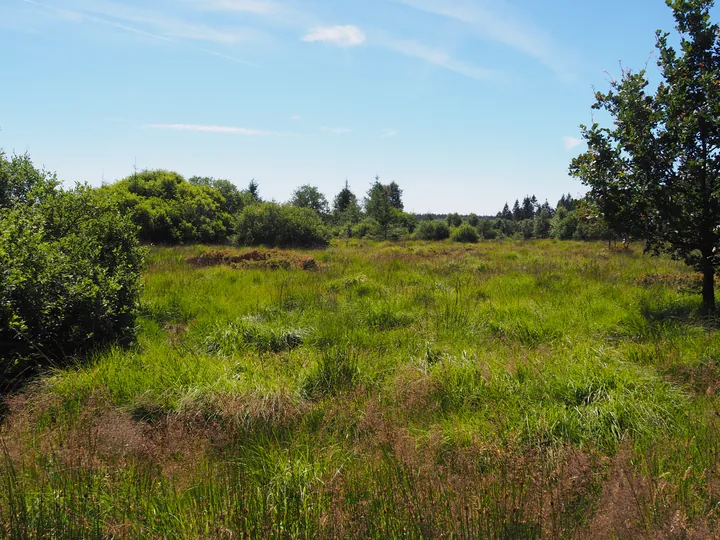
(432, 230)
(22, 183)
(465, 233)
(367, 227)
(69, 277)
(170, 210)
(272, 224)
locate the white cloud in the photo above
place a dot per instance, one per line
(388, 133)
(572, 142)
(502, 24)
(296, 117)
(340, 36)
(441, 59)
(337, 130)
(227, 130)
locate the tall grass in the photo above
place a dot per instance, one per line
(499, 390)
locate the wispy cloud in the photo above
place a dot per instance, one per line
(296, 117)
(502, 24)
(388, 133)
(572, 142)
(340, 36)
(228, 57)
(226, 130)
(70, 15)
(164, 23)
(260, 7)
(337, 130)
(441, 59)
(149, 23)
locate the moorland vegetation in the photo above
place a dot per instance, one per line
(180, 358)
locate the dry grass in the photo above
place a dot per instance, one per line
(263, 259)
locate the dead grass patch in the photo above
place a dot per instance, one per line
(256, 258)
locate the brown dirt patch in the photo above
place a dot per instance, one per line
(270, 259)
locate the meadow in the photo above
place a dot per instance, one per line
(514, 389)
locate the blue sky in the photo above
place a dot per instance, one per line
(464, 103)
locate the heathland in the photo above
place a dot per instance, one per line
(504, 389)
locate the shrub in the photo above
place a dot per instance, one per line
(170, 210)
(367, 227)
(22, 183)
(69, 278)
(432, 230)
(454, 220)
(272, 224)
(465, 233)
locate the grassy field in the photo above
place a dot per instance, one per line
(419, 390)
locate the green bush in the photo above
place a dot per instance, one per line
(69, 278)
(465, 233)
(272, 224)
(367, 227)
(432, 230)
(22, 183)
(170, 210)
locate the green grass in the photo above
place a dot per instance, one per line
(498, 390)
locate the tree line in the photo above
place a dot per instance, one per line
(171, 210)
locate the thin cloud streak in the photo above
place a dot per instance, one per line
(76, 16)
(228, 57)
(441, 59)
(164, 24)
(200, 128)
(389, 133)
(504, 27)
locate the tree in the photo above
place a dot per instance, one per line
(378, 207)
(344, 200)
(505, 213)
(454, 220)
(542, 223)
(254, 190)
(658, 169)
(566, 202)
(308, 196)
(394, 194)
(516, 211)
(528, 208)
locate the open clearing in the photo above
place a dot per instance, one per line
(504, 389)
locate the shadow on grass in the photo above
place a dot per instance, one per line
(687, 311)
